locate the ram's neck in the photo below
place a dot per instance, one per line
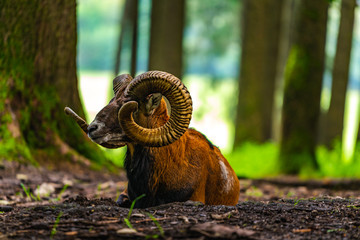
(158, 160)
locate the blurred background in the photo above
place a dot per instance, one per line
(227, 45)
(275, 83)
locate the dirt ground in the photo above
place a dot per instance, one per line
(38, 203)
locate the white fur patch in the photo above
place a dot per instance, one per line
(227, 182)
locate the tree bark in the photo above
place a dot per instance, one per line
(38, 79)
(260, 45)
(287, 22)
(332, 128)
(166, 35)
(128, 29)
(302, 89)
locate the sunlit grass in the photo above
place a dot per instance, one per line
(254, 160)
(332, 165)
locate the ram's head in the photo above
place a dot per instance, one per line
(124, 119)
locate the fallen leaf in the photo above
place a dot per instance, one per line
(129, 231)
(73, 233)
(138, 215)
(126, 231)
(213, 230)
(21, 177)
(222, 216)
(151, 220)
(305, 230)
(68, 182)
(4, 202)
(185, 219)
(106, 185)
(44, 190)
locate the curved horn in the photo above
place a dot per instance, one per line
(81, 122)
(181, 108)
(119, 81)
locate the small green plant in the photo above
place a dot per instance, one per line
(253, 191)
(297, 201)
(98, 191)
(29, 193)
(62, 192)
(26, 190)
(53, 230)
(127, 219)
(353, 206)
(161, 230)
(336, 230)
(290, 194)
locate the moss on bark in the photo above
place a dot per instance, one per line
(37, 80)
(302, 88)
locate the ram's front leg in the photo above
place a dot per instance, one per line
(123, 200)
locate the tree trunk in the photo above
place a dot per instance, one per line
(287, 22)
(38, 79)
(128, 30)
(333, 124)
(302, 89)
(260, 44)
(166, 35)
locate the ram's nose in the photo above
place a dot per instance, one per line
(92, 129)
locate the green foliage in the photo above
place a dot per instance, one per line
(331, 164)
(11, 147)
(98, 33)
(297, 201)
(255, 160)
(261, 160)
(353, 207)
(211, 40)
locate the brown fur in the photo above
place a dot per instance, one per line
(190, 168)
(191, 160)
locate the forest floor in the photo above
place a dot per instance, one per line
(78, 203)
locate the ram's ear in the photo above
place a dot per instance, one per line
(152, 102)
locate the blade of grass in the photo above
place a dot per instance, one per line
(27, 191)
(133, 204)
(62, 192)
(127, 219)
(161, 230)
(53, 230)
